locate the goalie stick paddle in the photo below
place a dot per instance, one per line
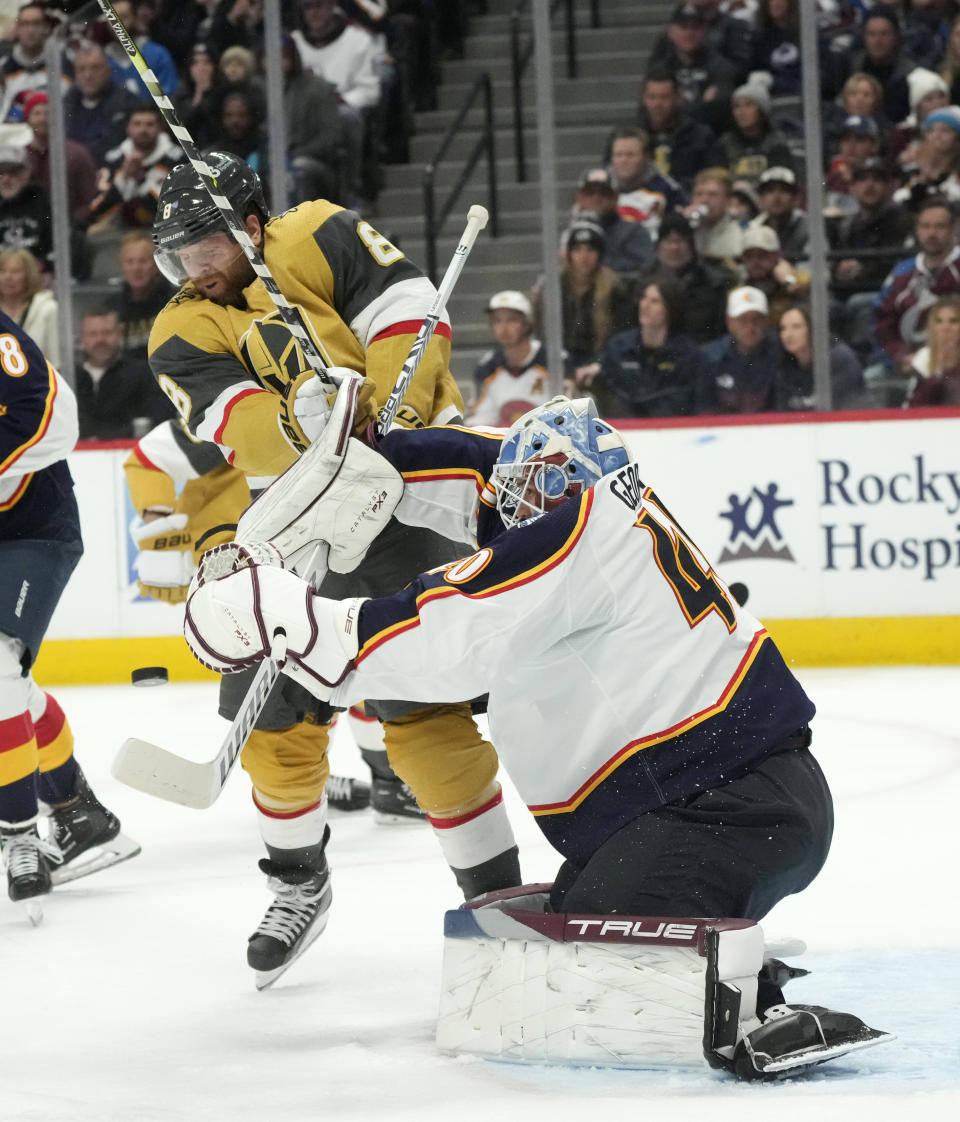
(290, 315)
(149, 768)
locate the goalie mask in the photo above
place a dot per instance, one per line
(186, 214)
(551, 454)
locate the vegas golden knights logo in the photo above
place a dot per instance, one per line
(272, 354)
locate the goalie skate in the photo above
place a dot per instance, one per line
(794, 1038)
(295, 919)
(87, 834)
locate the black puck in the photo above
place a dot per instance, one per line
(740, 592)
(150, 676)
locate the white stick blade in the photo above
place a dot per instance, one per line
(151, 769)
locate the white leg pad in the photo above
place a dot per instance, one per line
(618, 991)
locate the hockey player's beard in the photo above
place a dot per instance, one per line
(226, 287)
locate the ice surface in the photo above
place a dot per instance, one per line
(132, 1002)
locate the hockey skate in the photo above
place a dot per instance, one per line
(393, 802)
(28, 859)
(87, 834)
(345, 793)
(293, 921)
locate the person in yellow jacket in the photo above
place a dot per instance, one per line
(233, 369)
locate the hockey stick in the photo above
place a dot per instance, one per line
(155, 771)
(290, 315)
(476, 220)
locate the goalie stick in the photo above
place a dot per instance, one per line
(149, 768)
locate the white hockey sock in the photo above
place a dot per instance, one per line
(480, 835)
(291, 829)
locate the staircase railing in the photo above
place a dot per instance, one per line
(434, 217)
(520, 58)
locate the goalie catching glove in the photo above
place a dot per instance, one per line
(230, 620)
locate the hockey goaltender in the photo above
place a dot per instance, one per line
(646, 718)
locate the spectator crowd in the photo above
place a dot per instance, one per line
(684, 267)
(685, 271)
(353, 74)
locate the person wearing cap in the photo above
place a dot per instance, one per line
(678, 143)
(752, 143)
(644, 194)
(740, 373)
(899, 312)
(937, 162)
(81, 170)
(596, 301)
(718, 237)
(878, 223)
(704, 285)
(653, 369)
(628, 247)
(23, 69)
(928, 92)
(705, 78)
(778, 193)
(859, 140)
(24, 205)
(764, 267)
(513, 376)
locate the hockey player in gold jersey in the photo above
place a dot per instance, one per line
(233, 369)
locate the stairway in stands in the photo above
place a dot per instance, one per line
(610, 62)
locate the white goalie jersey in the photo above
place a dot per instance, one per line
(622, 674)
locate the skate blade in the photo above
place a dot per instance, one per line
(34, 910)
(266, 978)
(120, 848)
(385, 818)
(799, 1061)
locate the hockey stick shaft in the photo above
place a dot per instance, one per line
(476, 220)
(291, 316)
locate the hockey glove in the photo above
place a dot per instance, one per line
(165, 561)
(230, 623)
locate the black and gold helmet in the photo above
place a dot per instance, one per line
(186, 213)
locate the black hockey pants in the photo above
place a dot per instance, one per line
(735, 850)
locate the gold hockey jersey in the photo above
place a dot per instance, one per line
(229, 371)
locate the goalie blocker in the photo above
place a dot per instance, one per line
(523, 984)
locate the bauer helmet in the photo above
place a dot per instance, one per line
(551, 454)
(186, 213)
